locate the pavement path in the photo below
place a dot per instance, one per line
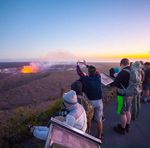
(139, 135)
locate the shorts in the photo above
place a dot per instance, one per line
(146, 86)
(124, 104)
(98, 109)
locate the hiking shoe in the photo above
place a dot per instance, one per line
(127, 128)
(119, 129)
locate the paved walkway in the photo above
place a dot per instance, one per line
(139, 135)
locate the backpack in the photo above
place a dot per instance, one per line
(87, 105)
(135, 82)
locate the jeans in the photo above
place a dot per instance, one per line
(41, 132)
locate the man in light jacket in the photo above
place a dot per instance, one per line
(75, 118)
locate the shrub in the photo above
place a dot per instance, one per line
(15, 130)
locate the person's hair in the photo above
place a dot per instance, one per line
(131, 64)
(147, 63)
(91, 70)
(77, 87)
(142, 63)
(125, 62)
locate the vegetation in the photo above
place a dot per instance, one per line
(15, 130)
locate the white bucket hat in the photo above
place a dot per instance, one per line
(70, 97)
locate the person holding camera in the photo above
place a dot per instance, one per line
(92, 89)
(76, 116)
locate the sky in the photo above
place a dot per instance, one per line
(59, 30)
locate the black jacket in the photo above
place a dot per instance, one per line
(147, 76)
(122, 80)
(91, 85)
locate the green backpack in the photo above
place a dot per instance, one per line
(135, 82)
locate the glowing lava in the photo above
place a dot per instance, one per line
(32, 68)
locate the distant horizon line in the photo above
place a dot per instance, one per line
(113, 60)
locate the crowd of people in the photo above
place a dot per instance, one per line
(84, 100)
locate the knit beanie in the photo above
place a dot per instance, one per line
(70, 97)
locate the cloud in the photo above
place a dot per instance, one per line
(60, 56)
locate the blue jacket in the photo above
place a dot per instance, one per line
(91, 85)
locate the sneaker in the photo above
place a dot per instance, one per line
(119, 129)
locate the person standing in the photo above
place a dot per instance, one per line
(146, 82)
(124, 99)
(92, 89)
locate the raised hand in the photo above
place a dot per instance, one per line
(82, 62)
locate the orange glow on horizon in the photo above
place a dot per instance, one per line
(114, 56)
(133, 56)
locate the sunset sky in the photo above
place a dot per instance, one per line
(60, 30)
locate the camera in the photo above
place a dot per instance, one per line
(61, 113)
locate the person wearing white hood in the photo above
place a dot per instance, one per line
(75, 118)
